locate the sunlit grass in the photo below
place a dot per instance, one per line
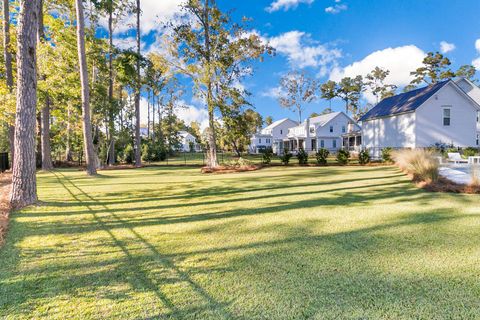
(279, 243)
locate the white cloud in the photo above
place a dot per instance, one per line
(285, 5)
(273, 93)
(336, 8)
(446, 47)
(187, 113)
(301, 51)
(154, 14)
(476, 62)
(400, 61)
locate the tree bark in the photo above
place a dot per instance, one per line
(8, 68)
(46, 148)
(68, 146)
(87, 123)
(111, 116)
(212, 161)
(39, 140)
(24, 182)
(138, 147)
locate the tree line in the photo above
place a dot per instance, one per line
(68, 91)
(298, 88)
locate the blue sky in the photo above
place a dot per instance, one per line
(332, 38)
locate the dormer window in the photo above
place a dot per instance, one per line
(312, 129)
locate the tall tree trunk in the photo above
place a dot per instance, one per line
(212, 161)
(24, 181)
(46, 149)
(148, 114)
(111, 116)
(8, 68)
(39, 140)
(153, 115)
(138, 147)
(87, 122)
(68, 146)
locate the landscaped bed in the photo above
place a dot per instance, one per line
(278, 243)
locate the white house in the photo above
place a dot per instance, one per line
(271, 136)
(446, 113)
(188, 143)
(324, 131)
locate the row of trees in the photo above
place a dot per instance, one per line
(298, 88)
(78, 95)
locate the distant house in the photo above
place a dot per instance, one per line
(271, 136)
(188, 143)
(324, 131)
(446, 113)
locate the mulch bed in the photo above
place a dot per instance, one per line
(229, 169)
(445, 185)
(5, 183)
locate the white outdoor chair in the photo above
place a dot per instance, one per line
(456, 158)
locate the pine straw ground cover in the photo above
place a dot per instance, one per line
(278, 243)
(5, 182)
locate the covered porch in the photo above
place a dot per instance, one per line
(352, 141)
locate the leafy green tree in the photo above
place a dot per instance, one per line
(268, 120)
(297, 88)
(435, 68)
(329, 91)
(467, 71)
(375, 81)
(350, 90)
(214, 53)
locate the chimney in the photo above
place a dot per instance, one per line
(307, 128)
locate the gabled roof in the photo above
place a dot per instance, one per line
(402, 103)
(276, 123)
(324, 118)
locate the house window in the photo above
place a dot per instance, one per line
(322, 143)
(446, 117)
(478, 116)
(478, 138)
(331, 128)
(334, 144)
(281, 131)
(259, 140)
(268, 140)
(343, 129)
(312, 130)
(314, 144)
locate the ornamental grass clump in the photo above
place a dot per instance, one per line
(420, 163)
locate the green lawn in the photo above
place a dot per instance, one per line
(280, 243)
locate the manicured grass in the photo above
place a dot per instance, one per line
(280, 243)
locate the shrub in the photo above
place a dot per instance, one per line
(343, 156)
(267, 156)
(387, 154)
(152, 151)
(322, 155)
(470, 152)
(237, 163)
(128, 154)
(302, 157)
(285, 158)
(421, 164)
(364, 157)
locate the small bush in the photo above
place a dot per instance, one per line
(238, 163)
(343, 156)
(322, 155)
(387, 154)
(364, 157)
(128, 154)
(470, 152)
(302, 157)
(267, 156)
(421, 164)
(285, 158)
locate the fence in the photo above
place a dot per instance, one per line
(4, 163)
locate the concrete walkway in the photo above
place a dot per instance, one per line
(460, 175)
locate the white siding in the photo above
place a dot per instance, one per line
(463, 123)
(395, 131)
